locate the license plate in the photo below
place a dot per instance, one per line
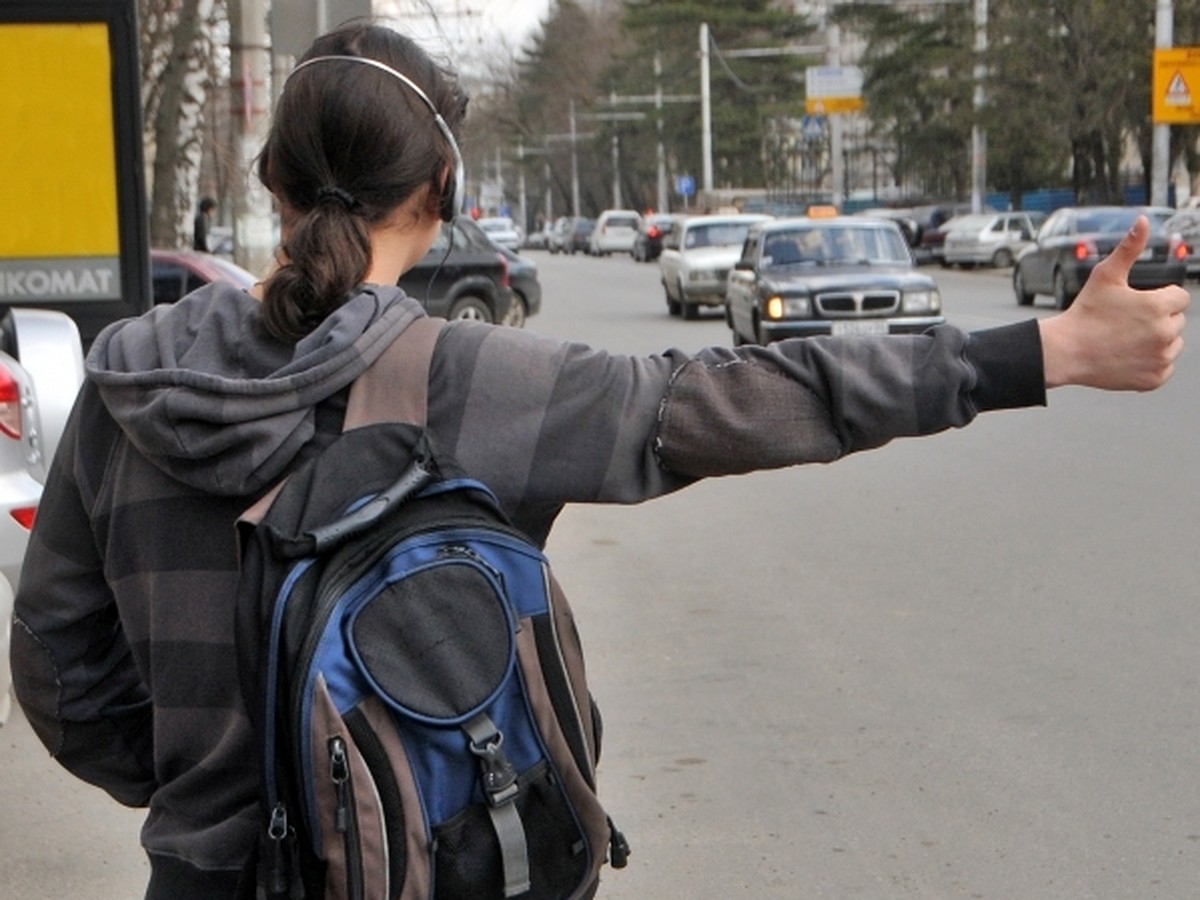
(1145, 255)
(860, 326)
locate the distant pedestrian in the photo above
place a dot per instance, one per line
(200, 224)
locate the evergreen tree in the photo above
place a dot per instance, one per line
(747, 93)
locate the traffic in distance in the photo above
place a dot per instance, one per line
(868, 273)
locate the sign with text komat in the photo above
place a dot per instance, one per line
(73, 230)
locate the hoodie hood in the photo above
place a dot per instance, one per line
(206, 394)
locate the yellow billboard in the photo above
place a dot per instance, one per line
(1175, 95)
(59, 232)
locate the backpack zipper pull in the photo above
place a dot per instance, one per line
(277, 831)
(618, 847)
(339, 773)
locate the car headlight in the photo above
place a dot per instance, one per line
(778, 307)
(703, 275)
(928, 301)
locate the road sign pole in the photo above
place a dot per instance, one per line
(1160, 160)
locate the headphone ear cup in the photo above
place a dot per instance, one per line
(452, 195)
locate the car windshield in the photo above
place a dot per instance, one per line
(717, 234)
(827, 246)
(1107, 220)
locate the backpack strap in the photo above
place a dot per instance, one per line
(395, 388)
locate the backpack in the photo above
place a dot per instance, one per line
(414, 674)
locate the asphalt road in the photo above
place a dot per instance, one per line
(959, 666)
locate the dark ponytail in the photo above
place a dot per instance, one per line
(347, 146)
(327, 254)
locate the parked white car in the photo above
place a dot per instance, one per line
(615, 232)
(502, 231)
(41, 369)
(696, 259)
(989, 239)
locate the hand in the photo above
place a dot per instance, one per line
(1114, 337)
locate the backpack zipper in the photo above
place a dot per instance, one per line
(345, 817)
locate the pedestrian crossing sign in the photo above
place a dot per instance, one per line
(1176, 88)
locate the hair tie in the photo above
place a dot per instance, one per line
(332, 192)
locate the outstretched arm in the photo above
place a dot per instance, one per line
(1114, 337)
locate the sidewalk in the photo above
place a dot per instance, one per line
(58, 836)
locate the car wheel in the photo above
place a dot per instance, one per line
(1002, 259)
(672, 303)
(473, 308)
(738, 340)
(689, 311)
(1062, 297)
(1024, 298)
(517, 313)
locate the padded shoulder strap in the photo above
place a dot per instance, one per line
(396, 386)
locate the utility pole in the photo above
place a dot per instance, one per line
(250, 62)
(978, 135)
(662, 197)
(706, 90)
(1160, 159)
(658, 98)
(574, 164)
(573, 136)
(837, 158)
(705, 110)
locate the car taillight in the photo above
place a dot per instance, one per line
(1085, 250)
(10, 404)
(503, 269)
(25, 516)
(1179, 250)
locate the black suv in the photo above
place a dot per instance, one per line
(463, 276)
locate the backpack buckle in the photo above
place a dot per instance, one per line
(497, 775)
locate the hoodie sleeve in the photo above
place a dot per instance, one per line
(73, 671)
(546, 423)
(820, 399)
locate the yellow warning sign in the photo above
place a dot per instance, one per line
(826, 106)
(1175, 95)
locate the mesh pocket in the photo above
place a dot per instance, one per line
(467, 856)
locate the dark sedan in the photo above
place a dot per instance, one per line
(462, 276)
(802, 277)
(526, 288)
(1074, 239)
(648, 244)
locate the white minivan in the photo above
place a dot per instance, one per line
(616, 230)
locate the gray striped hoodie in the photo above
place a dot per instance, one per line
(123, 648)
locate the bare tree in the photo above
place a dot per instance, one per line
(177, 52)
